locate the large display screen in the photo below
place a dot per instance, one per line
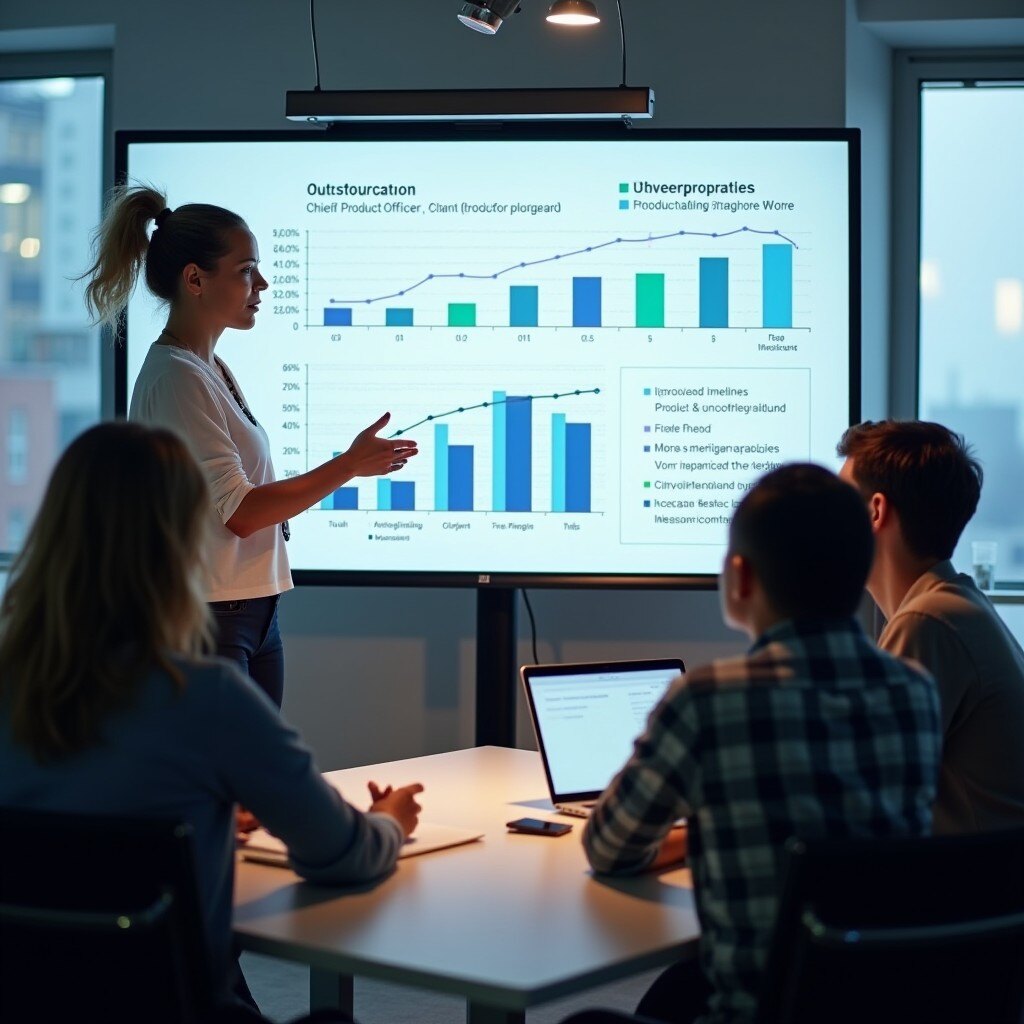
(598, 341)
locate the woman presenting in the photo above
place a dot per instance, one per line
(203, 262)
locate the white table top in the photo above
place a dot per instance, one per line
(510, 921)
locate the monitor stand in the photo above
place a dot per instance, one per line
(496, 666)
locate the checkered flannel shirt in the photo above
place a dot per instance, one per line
(814, 733)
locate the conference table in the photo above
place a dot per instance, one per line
(507, 922)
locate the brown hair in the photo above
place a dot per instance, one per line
(194, 233)
(106, 587)
(807, 535)
(928, 474)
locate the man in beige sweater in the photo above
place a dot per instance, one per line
(922, 486)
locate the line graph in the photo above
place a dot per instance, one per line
(734, 277)
(645, 239)
(488, 405)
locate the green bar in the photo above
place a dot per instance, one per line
(650, 300)
(462, 314)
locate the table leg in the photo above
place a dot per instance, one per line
(330, 991)
(478, 1013)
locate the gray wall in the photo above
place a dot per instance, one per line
(376, 674)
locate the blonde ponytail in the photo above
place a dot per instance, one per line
(194, 233)
(120, 243)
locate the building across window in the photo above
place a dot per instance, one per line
(971, 361)
(51, 166)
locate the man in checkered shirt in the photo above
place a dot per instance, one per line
(813, 733)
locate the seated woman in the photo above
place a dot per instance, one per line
(108, 706)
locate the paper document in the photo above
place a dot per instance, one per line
(263, 848)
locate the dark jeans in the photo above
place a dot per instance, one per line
(247, 634)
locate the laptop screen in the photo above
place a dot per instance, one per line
(587, 716)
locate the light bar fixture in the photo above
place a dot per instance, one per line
(610, 103)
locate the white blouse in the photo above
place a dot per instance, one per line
(177, 390)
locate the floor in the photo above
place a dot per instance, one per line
(282, 991)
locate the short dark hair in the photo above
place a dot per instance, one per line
(807, 535)
(929, 475)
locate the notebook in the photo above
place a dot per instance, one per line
(586, 717)
(263, 848)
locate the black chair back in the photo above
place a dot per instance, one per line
(99, 921)
(910, 930)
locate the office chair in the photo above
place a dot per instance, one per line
(909, 930)
(99, 921)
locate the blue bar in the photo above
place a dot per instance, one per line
(440, 467)
(460, 478)
(346, 498)
(403, 496)
(523, 303)
(328, 503)
(384, 495)
(518, 455)
(777, 285)
(558, 462)
(337, 317)
(397, 317)
(577, 467)
(498, 441)
(586, 302)
(714, 291)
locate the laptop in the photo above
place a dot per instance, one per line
(586, 717)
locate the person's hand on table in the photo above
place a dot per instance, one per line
(673, 849)
(399, 803)
(245, 823)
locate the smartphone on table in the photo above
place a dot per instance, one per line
(538, 827)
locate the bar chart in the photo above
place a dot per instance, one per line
(749, 285)
(508, 452)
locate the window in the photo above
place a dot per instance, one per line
(17, 446)
(51, 184)
(17, 525)
(972, 294)
(960, 211)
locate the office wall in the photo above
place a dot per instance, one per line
(375, 674)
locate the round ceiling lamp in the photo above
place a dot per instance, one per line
(573, 12)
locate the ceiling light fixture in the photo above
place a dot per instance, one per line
(622, 102)
(487, 16)
(601, 104)
(573, 12)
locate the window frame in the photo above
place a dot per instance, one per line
(910, 69)
(20, 66)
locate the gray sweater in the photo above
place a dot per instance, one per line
(192, 755)
(949, 626)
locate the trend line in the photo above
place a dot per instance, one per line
(563, 255)
(487, 405)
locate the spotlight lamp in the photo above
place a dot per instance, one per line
(573, 12)
(487, 16)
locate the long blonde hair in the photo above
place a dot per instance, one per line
(107, 586)
(194, 233)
